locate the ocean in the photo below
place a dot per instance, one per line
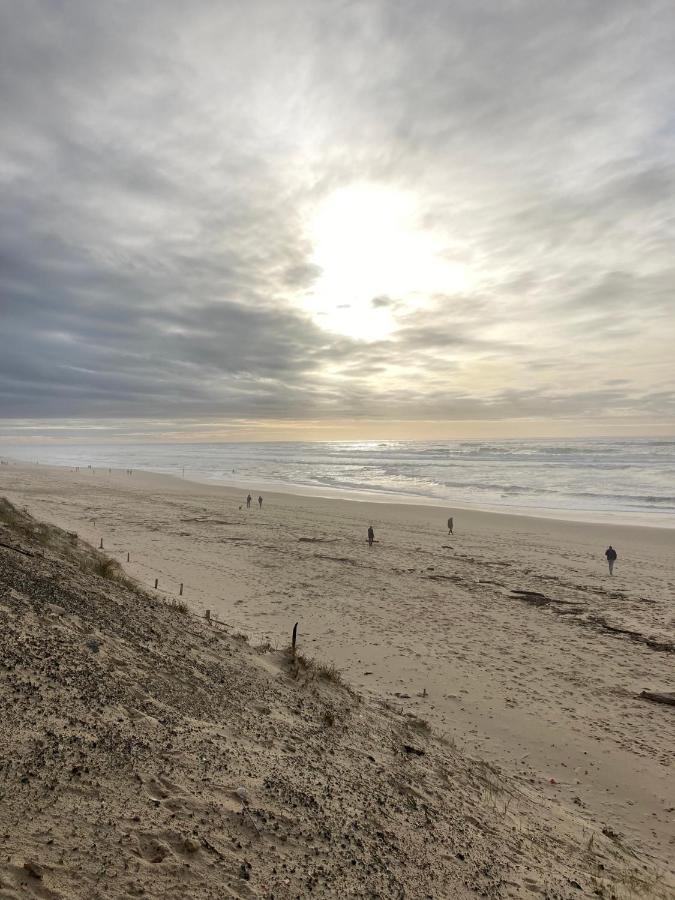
(589, 480)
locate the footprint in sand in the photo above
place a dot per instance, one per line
(150, 848)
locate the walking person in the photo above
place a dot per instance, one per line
(248, 502)
(450, 525)
(371, 535)
(260, 502)
(611, 555)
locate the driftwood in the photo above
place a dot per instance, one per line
(315, 540)
(535, 598)
(416, 751)
(666, 697)
(16, 549)
(342, 559)
(652, 643)
(573, 608)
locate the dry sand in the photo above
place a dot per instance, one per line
(540, 685)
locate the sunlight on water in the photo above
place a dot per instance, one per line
(586, 479)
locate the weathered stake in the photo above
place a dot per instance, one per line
(180, 592)
(101, 547)
(208, 616)
(156, 583)
(127, 557)
(294, 638)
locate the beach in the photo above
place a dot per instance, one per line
(509, 636)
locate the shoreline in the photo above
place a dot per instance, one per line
(606, 520)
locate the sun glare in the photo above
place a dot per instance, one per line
(375, 259)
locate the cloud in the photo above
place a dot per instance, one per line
(160, 166)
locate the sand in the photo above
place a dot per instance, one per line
(544, 685)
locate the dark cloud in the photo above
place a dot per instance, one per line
(158, 166)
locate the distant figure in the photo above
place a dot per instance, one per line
(248, 502)
(611, 555)
(450, 525)
(260, 502)
(371, 535)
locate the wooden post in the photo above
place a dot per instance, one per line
(156, 583)
(127, 557)
(180, 592)
(208, 616)
(101, 547)
(294, 638)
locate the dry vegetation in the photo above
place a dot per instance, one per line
(22, 527)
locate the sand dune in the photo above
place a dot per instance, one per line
(508, 637)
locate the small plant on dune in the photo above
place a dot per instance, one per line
(25, 524)
(490, 793)
(634, 884)
(324, 671)
(314, 669)
(626, 884)
(328, 672)
(419, 724)
(108, 568)
(492, 789)
(105, 567)
(448, 740)
(19, 520)
(43, 534)
(9, 514)
(328, 717)
(179, 606)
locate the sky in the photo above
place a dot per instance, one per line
(275, 219)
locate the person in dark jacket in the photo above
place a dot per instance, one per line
(371, 535)
(611, 555)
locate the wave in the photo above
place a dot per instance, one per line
(617, 476)
(629, 498)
